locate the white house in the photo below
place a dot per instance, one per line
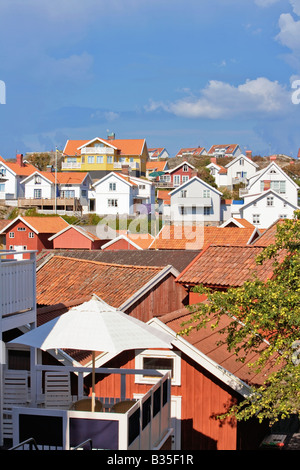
(270, 194)
(240, 169)
(160, 152)
(263, 210)
(218, 172)
(44, 184)
(195, 201)
(122, 194)
(231, 150)
(11, 176)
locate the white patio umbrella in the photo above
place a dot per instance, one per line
(95, 326)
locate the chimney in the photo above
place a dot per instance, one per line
(19, 157)
(213, 160)
(249, 154)
(125, 170)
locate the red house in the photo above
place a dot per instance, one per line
(74, 237)
(32, 233)
(131, 241)
(181, 173)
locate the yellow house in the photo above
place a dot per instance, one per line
(99, 156)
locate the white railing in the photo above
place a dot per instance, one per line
(97, 151)
(117, 165)
(70, 166)
(144, 426)
(17, 288)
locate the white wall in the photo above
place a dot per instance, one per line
(235, 168)
(267, 213)
(123, 195)
(11, 185)
(195, 196)
(44, 185)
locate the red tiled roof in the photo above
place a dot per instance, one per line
(268, 236)
(164, 196)
(229, 149)
(63, 279)
(226, 266)
(71, 177)
(191, 150)
(196, 237)
(25, 170)
(207, 341)
(45, 224)
(156, 166)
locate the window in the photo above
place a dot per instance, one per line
(278, 186)
(161, 361)
(112, 186)
(68, 193)
(282, 216)
(99, 158)
(176, 179)
(3, 171)
(72, 160)
(2, 187)
(183, 193)
(30, 235)
(11, 235)
(206, 193)
(185, 168)
(194, 210)
(142, 186)
(112, 202)
(82, 159)
(37, 193)
(91, 159)
(83, 192)
(109, 159)
(255, 218)
(21, 229)
(242, 162)
(270, 201)
(185, 178)
(37, 179)
(182, 210)
(206, 210)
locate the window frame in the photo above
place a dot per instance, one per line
(149, 353)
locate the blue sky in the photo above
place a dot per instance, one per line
(179, 73)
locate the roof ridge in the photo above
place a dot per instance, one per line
(108, 264)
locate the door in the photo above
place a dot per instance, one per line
(19, 248)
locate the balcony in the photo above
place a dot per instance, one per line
(71, 166)
(144, 425)
(195, 201)
(72, 204)
(97, 151)
(17, 289)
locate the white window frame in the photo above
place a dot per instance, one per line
(112, 202)
(31, 235)
(109, 159)
(100, 159)
(149, 353)
(112, 186)
(270, 201)
(206, 211)
(11, 235)
(91, 159)
(183, 193)
(256, 218)
(176, 179)
(185, 178)
(206, 193)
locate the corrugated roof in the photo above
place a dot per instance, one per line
(226, 266)
(177, 258)
(194, 237)
(61, 279)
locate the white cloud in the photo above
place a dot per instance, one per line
(265, 3)
(289, 35)
(220, 100)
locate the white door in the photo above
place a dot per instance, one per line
(19, 248)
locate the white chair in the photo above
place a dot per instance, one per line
(57, 390)
(15, 393)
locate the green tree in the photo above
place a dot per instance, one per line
(39, 160)
(264, 318)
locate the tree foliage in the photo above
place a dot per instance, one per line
(264, 318)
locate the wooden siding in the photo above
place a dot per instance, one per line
(167, 296)
(72, 239)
